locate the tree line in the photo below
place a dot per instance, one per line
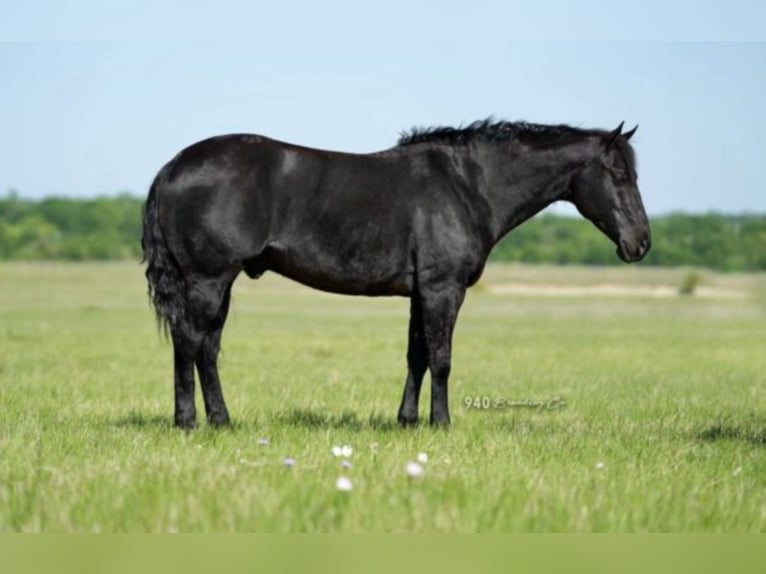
(109, 228)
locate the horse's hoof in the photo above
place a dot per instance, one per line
(185, 423)
(407, 421)
(219, 420)
(440, 423)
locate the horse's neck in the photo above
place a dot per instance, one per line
(520, 184)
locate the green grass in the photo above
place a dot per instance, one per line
(666, 393)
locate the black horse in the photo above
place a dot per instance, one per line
(417, 220)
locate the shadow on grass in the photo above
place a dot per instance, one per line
(144, 421)
(752, 431)
(313, 419)
(302, 418)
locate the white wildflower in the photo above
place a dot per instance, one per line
(422, 457)
(413, 469)
(289, 462)
(343, 484)
(344, 451)
(263, 441)
(345, 463)
(600, 465)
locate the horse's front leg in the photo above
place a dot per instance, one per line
(441, 303)
(417, 363)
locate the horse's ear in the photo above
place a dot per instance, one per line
(612, 137)
(628, 135)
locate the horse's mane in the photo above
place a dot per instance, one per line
(490, 130)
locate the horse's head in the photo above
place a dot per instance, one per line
(605, 191)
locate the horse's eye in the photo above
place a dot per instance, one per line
(620, 175)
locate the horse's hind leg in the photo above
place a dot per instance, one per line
(196, 339)
(183, 382)
(207, 367)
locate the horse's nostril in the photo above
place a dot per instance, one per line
(643, 247)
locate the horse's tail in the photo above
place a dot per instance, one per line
(167, 287)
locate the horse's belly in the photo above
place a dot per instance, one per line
(374, 275)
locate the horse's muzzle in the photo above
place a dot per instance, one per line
(635, 253)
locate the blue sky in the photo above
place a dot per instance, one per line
(86, 118)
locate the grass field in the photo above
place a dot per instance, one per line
(585, 410)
